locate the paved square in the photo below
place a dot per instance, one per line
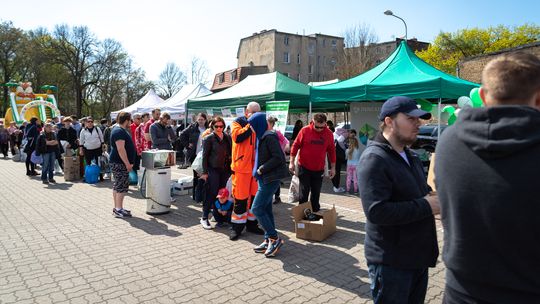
(61, 244)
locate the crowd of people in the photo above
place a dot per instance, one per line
(485, 166)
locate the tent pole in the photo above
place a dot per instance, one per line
(309, 116)
(439, 120)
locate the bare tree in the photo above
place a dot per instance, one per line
(171, 80)
(358, 55)
(198, 71)
(75, 49)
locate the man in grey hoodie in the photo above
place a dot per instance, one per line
(487, 178)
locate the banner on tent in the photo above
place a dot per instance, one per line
(280, 110)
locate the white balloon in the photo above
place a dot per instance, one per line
(464, 102)
(456, 112)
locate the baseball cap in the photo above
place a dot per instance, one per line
(223, 193)
(402, 104)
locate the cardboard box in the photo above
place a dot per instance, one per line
(183, 186)
(314, 231)
(72, 168)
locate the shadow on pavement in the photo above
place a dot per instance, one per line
(324, 264)
(152, 226)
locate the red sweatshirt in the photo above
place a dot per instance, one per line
(313, 147)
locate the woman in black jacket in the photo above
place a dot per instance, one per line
(190, 138)
(270, 167)
(217, 148)
(47, 146)
(31, 134)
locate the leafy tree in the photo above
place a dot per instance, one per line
(12, 41)
(448, 48)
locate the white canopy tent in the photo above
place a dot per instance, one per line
(146, 104)
(176, 104)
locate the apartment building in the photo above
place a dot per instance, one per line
(303, 58)
(229, 78)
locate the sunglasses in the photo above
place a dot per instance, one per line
(317, 127)
(90, 121)
(219, 127)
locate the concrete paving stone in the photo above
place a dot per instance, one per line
(169, 258)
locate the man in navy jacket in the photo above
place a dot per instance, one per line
(401, 240)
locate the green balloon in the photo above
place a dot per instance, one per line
(449, 109)
(475, 98)
(424, 105)
(452, 119)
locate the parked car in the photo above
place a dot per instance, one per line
(288, 132)
(427, 137)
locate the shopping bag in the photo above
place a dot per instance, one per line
(36, 159)
(197, 164)
(294, 190)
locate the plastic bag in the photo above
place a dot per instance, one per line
(197, 165)
(36, 159)
(294, 190)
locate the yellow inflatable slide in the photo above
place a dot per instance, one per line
(24, 104)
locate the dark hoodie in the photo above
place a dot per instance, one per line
(486, 170)
(258, 122)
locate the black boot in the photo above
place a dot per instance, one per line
(235, 234)
(253, 227)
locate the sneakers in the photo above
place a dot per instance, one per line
(262, 247)
(52, 181)
(339, 190)
(121, 213)
(45, 182)
(273, 247)
(206, 224)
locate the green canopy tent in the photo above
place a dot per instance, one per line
(402, 73)
(260, 88)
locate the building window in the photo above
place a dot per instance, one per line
(298, 58)
(310, 69)
(388, 49)
(286, 58)
(298, 77)
(221, 78)
(324, 42)
(233, 75)
(311, 48)
(318, 60)
(286, 40)
(334, 43)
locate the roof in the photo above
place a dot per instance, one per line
(261, 88)
(402, 73)
(517, 48)
(177, 102)
(149, 101)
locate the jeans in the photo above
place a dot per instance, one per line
(220, 218)
(262, 207)
(48, 166)
(394, 285)
(310, 181)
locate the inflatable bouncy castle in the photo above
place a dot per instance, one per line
(24, 104)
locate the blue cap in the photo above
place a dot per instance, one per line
(402, 104)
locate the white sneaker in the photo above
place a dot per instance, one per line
(339, 190)
(206, 224)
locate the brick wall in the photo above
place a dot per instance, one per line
(471, 68)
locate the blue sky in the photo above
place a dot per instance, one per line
(160, 31)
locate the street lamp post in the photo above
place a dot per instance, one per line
(390, 13)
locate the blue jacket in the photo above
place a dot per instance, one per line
(223, 207)
(400, 228)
